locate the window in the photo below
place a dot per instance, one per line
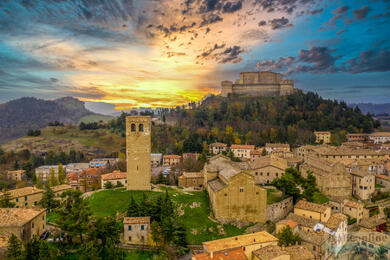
(25, 198)
(142, 227)
(141, 127)
(32, 225)
(129, 228)
(17, 199)
(43, 217)
(132, 127)
(256, 173)
(314, 248)
(35, 203)
(277, 174)
(225, 194)
(129, 238)
(267, 173)
(25, 204)
(241, 189)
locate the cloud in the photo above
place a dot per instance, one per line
(262, 23)
(231, 54)
(210, 19)
(361, 13)
(230, 7)
(316, 11)
(368, 61)
(341, 10)
(279, 23)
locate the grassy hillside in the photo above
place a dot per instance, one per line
(193, 211)
(95, 118)
(63, 138)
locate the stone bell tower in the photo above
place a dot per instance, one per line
(138, 130)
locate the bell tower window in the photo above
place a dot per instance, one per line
(133, 128)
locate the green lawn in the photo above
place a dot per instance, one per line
(273, 196)
(320, 198)
(52, 217)
(143, 255)
(378, 186)
(193, 212)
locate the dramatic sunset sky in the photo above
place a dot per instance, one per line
(169, 52)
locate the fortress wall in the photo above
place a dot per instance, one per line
(264, 90)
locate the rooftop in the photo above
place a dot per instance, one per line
(277, 145)
(16, 172)
(384, 177)
(353, 204)
(115, 175)
(238, 241)
(242, 146)
(306, 205)
(218, 144)
(136, 220)
(291, 223)
(232, 254)
(322, 132)
(61, 187)
(372, 222)
(378, 134)
(216, 185)
(295, 252)
(270, 160)
(313, 237)
(18, 216)
(302, 221)
(23, 192)
(172, 156)
(335, 220)
(193, 174)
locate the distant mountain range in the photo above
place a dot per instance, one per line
(20, 115)
(373, 109)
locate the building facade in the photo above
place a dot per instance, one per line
(242, 150)
(16, 175)
(217, 148)
(25, 197)
(322, 137)
(267, 168)
(136, 230)
(138, 145)
(263, 83)
(171, 160)
(114, 177)
(191, 180)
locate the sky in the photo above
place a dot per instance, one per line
(164, 53)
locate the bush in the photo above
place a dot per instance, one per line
(32, 132)
(108, 185)
(380, 196)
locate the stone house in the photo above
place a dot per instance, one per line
(248, 242)
(76, 167)
(17, 175)
(217, 148)
(383, 180)
(256, 154)
(25, 197)
(44, 172)
(312, 210)
(228, 254)
(242, 150)
(103, 163)
(322, 137)
(379, 137)
(276, 147)
(89, 179)
(191, 180)
(23, 222)
(268, 168)
(136, 230)
(316, 242)
(273, 252)
(156, 159)
(353, 209)
(361, 137)
(192, 156)
(363, 183)
(280, 225)
(60, 189)
(338, 226)
(171, 160)
(333, 180)
(376, 223)
(114, 177)
(233, 193)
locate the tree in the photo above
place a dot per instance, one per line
(16, 165)
(32, 249)
(61, 174)
(48, 200)
(74, 215)
(287, 237)
(53, 180)
(132, 209)
(108, 185)
(14, 249)
(310, 187)
(288, 186)
(5, 200)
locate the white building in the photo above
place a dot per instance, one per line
(379, 137)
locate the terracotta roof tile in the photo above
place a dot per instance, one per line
(233, 254)
(172, 156)
(16, 193)
(136, 220)
(115, 175)
(61, 187)
(242, 146)
(306, 205)
(335, 220)
(18, 216)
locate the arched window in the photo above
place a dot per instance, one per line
(132, 127)
(141, 127)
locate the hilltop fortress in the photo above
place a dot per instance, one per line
(262, 83)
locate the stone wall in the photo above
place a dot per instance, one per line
(279, 210)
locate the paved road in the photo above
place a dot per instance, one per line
(157, 170)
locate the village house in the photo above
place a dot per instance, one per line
(361, 137)
(16, 175)
(312, 210)
(136, 230)
(375, 223)
(242, 150)
(233, 193)
(192, 156)
(76, 167)
(44, 172)
(102, 163)
(374, 166)
(73, 180)
(336, 205)
(25, 197)
(322, 137)
(24, 223)
(229, 254)
(191, 180)
(338, 226)
(353, 209)
(58, 190)
(171, 160)
(379, 137)
(217, 148)
(89, 180)
(280, 225)
(276, 147)
(248, 243)
(316, 242)
(363, 183)
(268, 168)
(333, 180)
(256, 154)
(115, 177)
(383, 180)
(156, 159)
(274, 252)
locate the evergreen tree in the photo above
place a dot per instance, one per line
(108, 185)
(287, 237)
(48, 200)
(133, 208)
(53, 180)
(310, 187)
(61, 174)
(144, 206)
(31, 251)
(5, 200)
(44, 251)
(14, 249)
(16, 165)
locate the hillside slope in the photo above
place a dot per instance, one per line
(20, 115)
